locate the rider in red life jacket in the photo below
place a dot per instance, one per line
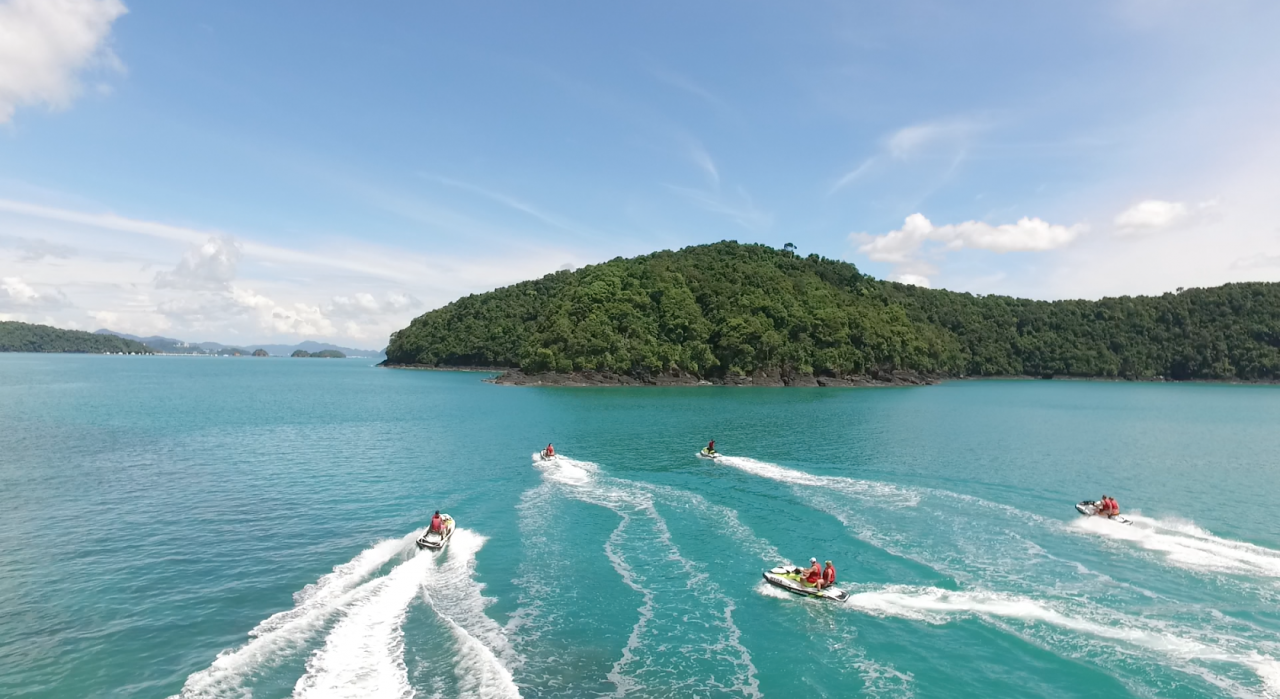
(1113, 507)
(437, 524)
(829, 575)
(711, 447)
(551, 451)
(814, 576)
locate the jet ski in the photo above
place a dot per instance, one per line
(437, 540)
(791, 579)
(1089, 508)
(544, 456)
(706, 454)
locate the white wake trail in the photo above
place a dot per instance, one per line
(284, 633)
(482, 644)
(363, 656)
(711, 655)
(884, 493)
(1188, 546)
(1002, 558)
(937, 606)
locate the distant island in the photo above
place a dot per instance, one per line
(28, 337)
(169, 345)
(322, 354)
(728, 313)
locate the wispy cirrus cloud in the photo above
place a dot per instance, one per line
(737, 206)
(215, 285)
(907, 143)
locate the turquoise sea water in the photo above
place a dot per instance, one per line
(243, 527)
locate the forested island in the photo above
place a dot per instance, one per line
(734, 313)
(322, 354)
(28, 337)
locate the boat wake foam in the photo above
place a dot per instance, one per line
(286, 632)
(937, 606)
(1187, 546)
(363, 656)
(641, 550)
(460, 604)
(985, 546)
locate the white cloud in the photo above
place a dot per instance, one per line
(18, 295)
(1155, 214)
(906, 246)
(219, 287)
(18, 291)
(913, 279)
(364, 304)
(45, 44)
(209, 266)
(1027, 235)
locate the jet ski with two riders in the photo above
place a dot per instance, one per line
(813, 581)
(547, 454)
(1106, 507)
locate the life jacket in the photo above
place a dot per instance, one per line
(812, 577)
(551, 451)
(437, 523)
(829, 575)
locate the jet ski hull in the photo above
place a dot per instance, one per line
(712, 456)
(542, 456)
(1089, 508)
(434, 541)
(789, 579)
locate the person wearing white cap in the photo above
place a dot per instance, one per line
(814, 576)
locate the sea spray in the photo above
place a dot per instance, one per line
(286, 632)
(1187, 546)
(363, 656)
(983, 545)
(709, 653)
(482, 644)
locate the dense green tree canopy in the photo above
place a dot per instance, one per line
(26, 337)
(731, 309)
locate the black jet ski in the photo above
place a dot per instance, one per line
(437, 540)
(1090, 509)
(791, 579)
(708, 454)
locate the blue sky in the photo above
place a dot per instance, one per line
(246, 172)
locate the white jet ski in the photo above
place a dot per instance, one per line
(543, 456)
(791, 579)
(1090, 508)
(704, 454)
(437, 540)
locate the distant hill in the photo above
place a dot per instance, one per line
(27, 337)
(168, 345)
(165, 345)
(729, 312)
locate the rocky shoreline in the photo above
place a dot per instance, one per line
(509, 376)
(515, 377)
